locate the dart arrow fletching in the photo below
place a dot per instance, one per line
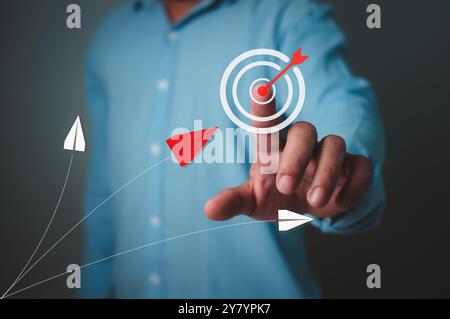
(298, 58)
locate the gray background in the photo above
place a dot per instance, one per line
(41, 87)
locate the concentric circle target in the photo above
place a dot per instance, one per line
(238, 106)
(261, 81)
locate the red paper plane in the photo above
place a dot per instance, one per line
(187, 145)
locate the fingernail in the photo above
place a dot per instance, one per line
(286, 184)
(317, 196)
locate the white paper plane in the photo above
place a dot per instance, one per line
(75, 139)
(288, 220)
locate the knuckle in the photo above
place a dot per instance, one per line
(228, 192)
(233, 197)
(364, 162)
(309, 129)
(347, 203)
(290, 169)
(326, 178)
(327, 173)
(336, 141)
(304, 129)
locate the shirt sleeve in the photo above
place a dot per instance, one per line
(99, 225)
(336, 103)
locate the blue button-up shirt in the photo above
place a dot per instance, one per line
(147, 76)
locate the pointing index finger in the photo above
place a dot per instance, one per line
(267, 145)
(264, 108)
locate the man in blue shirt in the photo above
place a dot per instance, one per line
(157, 65)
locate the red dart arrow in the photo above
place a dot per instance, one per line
(296, 59)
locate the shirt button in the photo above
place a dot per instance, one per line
(154, 279)
(154, 221)
(162, 85)
(155, 149)
(172, 36)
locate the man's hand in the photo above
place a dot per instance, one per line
(316, 177)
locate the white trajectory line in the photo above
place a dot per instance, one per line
(74, 141)
(47, 228)
(286, 217)
(87, 215)
(142, 247)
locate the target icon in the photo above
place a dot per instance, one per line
(264, 85)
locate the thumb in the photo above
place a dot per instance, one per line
(230, 202)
